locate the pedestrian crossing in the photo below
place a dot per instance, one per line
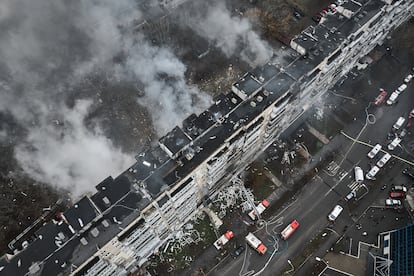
(353, 185)
(333, 168)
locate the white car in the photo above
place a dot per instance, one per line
(384, 159)
(399, 123)
(337, 210)
(374, 151)
(401, 88)
(394, 143)
(372, 173)
(399, 188)
(392, 202)
(408, 78)
(391, 100)
(359, 174)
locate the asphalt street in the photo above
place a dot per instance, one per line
(331, 185)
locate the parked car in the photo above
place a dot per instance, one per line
(237, 252)
(393, 98)
(392, 202)
(400, 188)
(381, 97)
(372, 173)
(401, 88)
(397, 194)
(408, 78)
(403, 133)
(384, 159)
(359, 174)
(408, 172)
(399, 123)
(350, 196)
(374, 151)
(394, 143)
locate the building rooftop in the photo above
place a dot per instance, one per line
(174, 141)
(248, 85)
(81, 214)
(93, 221)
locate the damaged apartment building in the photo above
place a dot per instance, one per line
(116, 230)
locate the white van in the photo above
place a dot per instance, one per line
(374, 151)
(372, 173)
(394, 143)
(337, 210)
(359, 174)
(393, 98)
(398, 123)
(384, 159)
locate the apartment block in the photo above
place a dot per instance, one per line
(131, 216)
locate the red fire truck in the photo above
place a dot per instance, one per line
(220, 242)
(257, 244)
(260, 208)
(288, 231)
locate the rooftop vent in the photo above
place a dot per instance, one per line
(83, 241)
(106, 201)
(61, 235)
(253, 103)
(105, 223)
(94, 232)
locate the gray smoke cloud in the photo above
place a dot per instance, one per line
(67, 154)
(47, 50)
(232, 34)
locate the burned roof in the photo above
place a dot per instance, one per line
(223, 105)
(265, 73)
(110, 191)
(174, 141)
(280, 84)
(93, 222)
(81, 213)
(246, 86)
(196, 125)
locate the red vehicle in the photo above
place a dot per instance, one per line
(288, 231)
(381, 97)
(397, 194)
(220, 242)
(260, 208)
(257, 244)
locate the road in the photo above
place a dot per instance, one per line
(329, 187)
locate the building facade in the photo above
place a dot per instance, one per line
(116, 230)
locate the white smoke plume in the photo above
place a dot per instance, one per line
(172, 96)
(230, 33)
(47, 49)
(68, 155)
